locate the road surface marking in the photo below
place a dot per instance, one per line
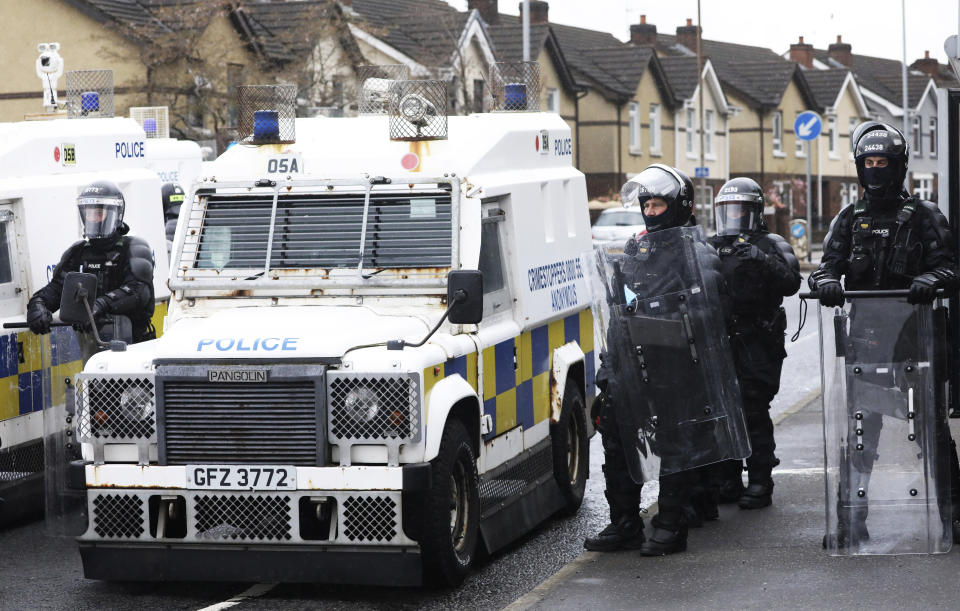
(255, 590)
(796, 407)
(537, 594)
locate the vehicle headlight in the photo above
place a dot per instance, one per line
(136, 403)
(362, 404)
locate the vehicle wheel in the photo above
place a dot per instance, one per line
(571, 449)
(452, 512)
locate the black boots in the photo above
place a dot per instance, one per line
(757, 495)
(730, 474)
(851, 528)
(664, 541)
(626, 533)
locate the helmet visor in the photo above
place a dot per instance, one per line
(736, 216)
(650, 183)
(100, 216)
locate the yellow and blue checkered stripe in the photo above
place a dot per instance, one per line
(21, 366)
(521, 396)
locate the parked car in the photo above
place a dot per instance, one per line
(617, 225)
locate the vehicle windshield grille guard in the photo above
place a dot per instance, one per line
(293, 233)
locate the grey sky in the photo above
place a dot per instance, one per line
(872, 27)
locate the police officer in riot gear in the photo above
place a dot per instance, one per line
(666, 199)
(123, 265)
(171, 196)
(888, 239)
(760, 269)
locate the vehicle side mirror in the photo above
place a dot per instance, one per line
(465, 296)
(77, 287)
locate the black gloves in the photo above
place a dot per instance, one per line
(99, 308)
(923, 289)
(831, 293)
(749, 252)
(39, 318)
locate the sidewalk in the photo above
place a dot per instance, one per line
(766, 559)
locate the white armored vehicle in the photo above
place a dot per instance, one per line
(378, 355)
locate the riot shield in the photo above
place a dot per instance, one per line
(674, 386)
(886, 442)
(65, 497)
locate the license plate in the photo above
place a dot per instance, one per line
(241, 477)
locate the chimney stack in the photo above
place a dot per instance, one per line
(538, 12)
(643, 34)
(927, 65)
(840, 51)
(802, 53)
(687, 35)
(487, 9)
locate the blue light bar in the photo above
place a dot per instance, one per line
(515, 96)
(266, 126)
(89, 101)
(150, 125)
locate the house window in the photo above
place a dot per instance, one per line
(850, 193)
(703, 198)
(933, 136)
(799, 151)
(478, 95)
(917, 140)
(832, 139)
(778, 132)
(553, 100)
(691, 126)
(854, 121)
(708, 132)
(635, 128)
(655, 129)
(923, 186)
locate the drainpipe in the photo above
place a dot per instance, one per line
(763, 178)
(577, 96)
(619, 148)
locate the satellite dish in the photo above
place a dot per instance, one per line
(952, 47)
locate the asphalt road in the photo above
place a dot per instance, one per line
(38, 572)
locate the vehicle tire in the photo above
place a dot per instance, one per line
(571, 449)
(452, 510)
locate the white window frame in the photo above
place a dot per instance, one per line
(799, 148)
(916, 136)
(833, 139)
(923, 186)
(853, 192)
(655, 130)
(703, 204)
(708, 134)
(553, 100)
(691, 131)
(932, 130)
(636, 131)
(776, 125)
(852, 124)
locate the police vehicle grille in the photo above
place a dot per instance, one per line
(236, 517)
(321, 231)
(113, 409)
(372, 408)
(273, 423)
(369, 518)
(21, 461)
(517, 477)
(118, 516)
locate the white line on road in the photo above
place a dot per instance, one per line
(255, 590)
(535, 595)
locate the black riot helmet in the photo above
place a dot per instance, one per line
(873, 139)
(661, 182)
(171, 196)
(101, 209)
(739, 207)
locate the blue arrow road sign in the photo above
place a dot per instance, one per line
(808, 125)
(701, 172)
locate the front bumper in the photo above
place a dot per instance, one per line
(138, 531)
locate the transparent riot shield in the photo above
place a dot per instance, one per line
(886, 441)
(65, 497)
(674, 387)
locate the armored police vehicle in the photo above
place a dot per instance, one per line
(43, 167)
(378, 354)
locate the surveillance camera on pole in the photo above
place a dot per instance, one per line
(49, 69)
